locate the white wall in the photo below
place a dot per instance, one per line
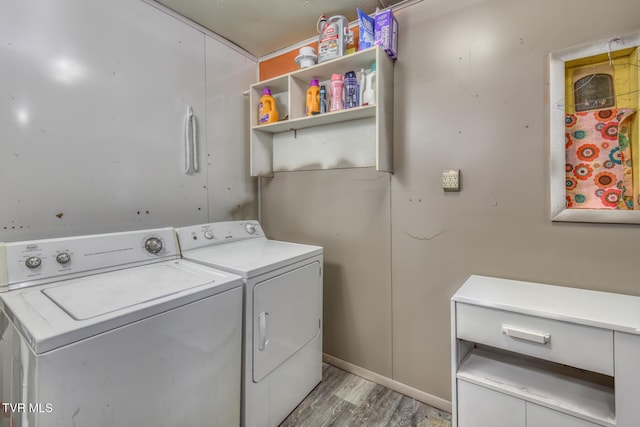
(93, 96)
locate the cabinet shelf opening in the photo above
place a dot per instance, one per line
(580, 393)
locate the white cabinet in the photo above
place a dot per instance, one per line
(627, 360)
(482, 407)
(374, 121)
(478, 407)
(538, 416)
(534, 355)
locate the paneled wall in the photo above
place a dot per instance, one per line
(346, 211)
(93, 97)
(231, 191)
(470, 93)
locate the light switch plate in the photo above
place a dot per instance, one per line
(451, 180)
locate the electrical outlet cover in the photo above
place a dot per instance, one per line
(451, 180)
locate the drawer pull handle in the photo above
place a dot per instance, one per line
(537, 337)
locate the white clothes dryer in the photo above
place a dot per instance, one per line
(115, 329)
(282, 345)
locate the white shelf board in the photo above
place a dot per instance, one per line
(582, 306)
(318, 120)
(529, 381)
(352, 62)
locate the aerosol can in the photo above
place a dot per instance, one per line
(334, 36)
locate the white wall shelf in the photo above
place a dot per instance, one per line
(318, 120)
(290, 94)
(586, 374)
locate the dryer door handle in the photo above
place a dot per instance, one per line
(263, 330)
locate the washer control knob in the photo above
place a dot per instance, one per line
(208, 234)
(63, 257)
(153, 245)
(250, 228)
(33, 262)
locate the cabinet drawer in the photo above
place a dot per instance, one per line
(575, 345)
(481, 407)
(537, 416)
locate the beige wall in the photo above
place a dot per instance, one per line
(347, 212)
(470, 93)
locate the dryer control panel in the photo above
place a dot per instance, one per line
(215, 233)
(42, 261)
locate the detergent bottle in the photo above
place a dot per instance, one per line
(350, 90)
(323, 99)
(334, 36)
(268, 112)
(313, 98)
(369, 95)
(335, 87)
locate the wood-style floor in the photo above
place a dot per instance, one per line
(344, 399)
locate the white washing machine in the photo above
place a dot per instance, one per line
(282, 346)
(117, 330)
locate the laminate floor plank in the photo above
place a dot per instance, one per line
(346, 400)
(324, 414)
(321, 408)
(354, 389)
(410, 413)
(376, 410)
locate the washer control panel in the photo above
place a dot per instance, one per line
(197, 236)
(43, 261)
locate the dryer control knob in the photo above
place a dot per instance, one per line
(153, 245)
(250, 228)
(208, 234)
(33, 262)
(63, 257)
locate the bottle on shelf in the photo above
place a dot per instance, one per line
(336, 87)
(334, 36)
(323, 99)
(369, 95)
(361, 86)
(313, 98)
(268, 112)
(350, 90)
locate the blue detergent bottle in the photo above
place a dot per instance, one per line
(350, 90)
(323, 99)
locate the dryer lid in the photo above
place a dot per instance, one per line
(251, 258)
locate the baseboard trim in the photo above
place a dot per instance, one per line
(394, 385)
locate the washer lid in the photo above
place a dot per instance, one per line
(250, 258)
(58, 314)
(105, 293)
